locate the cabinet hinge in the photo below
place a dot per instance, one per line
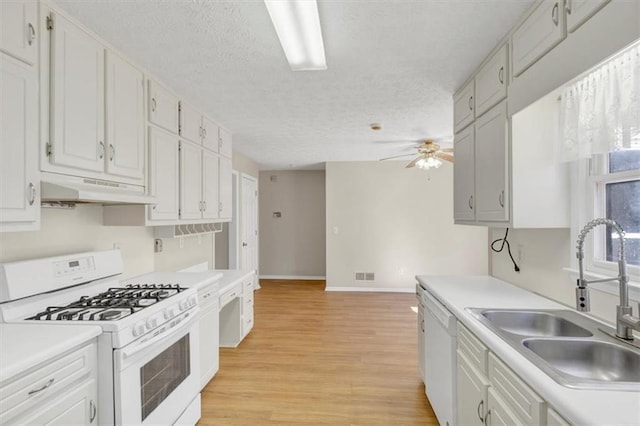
(179, 117)
(49, 23)
(179, 212)
(49, 149)
(179, 146)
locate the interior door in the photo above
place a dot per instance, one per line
(249, 223)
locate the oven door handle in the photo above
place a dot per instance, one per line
(162, 334)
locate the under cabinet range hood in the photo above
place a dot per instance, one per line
(73, 189)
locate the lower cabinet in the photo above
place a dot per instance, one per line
(472, 388)
(499, 412)
(209, 333)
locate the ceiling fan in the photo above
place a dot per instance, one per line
(429, 155)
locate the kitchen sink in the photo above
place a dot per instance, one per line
(588, 359)
(571, 348)
(534, 323)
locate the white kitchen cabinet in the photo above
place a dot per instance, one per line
(124, 118)
(463, 107)
(77, 97)
(190, 181)
(579, 11)
(163, 107)
(19, 30)
(247, 304)
(540, 32)
(491, 167)
(19, 176)
(164, 174)
(491, 81)
(225, 195)
(225, 142)
(210, 139)
(190, 123)
(555, 419)
(209, 333)
(464, 175)
(499, 413)
(210, 184)
(472, 388)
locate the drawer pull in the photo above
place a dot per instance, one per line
(35, 391)
(480, 404)
(32, 34)
(487, 417)
(554, 14)
(94, 411)
(501, 75)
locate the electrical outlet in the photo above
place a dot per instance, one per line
(116, 245)
(157, 247)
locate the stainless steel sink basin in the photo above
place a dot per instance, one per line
(534, 323)
(588, 359)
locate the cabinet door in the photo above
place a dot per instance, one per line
(210, 184)
(163, 174)
(538, 34)
(190, 181)
(226, 147)
(225, 194)
(190, 123)
(19, 182)
(163, 107)
(492, 197)
(491, 82)
(579, 11)
(499, 413)
(77, 97)
(210, 138)
(209, 344)
(125, 118)
(464, 175)
(76, 406)
(555, 419)
(463, 105)
(18, 30)
(472, 387)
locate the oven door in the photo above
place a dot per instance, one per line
(157, 378)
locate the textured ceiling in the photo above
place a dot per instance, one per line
(396, 62)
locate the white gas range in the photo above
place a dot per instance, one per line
(148, 366)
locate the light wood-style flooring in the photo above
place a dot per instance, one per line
(316, 357)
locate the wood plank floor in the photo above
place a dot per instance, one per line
(316, 357)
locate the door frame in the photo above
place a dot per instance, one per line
(255, 181)
(234, 225)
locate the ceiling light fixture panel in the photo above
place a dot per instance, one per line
(297, 24)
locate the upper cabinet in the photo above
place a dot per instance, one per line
(225, 143)
(579, 11)
(464, 175)
(163, 107)
(190, 123)
(18, 30)
(77, 98)
(463, 107)
(543, 29)
(491, 81)
(210, 138)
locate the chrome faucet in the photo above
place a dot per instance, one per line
(625, 321)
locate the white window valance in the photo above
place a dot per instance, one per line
(600, 112)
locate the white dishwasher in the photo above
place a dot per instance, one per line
(440, 359)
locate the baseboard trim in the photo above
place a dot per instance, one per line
(291, 277)
(373, 289)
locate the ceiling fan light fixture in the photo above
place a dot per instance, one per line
(297, 24)
(428, 163)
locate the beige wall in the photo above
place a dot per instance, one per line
(80, 229)
(398, 223)
(294, 244)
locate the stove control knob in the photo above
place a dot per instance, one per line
(184, 304)
(169, 313)
(193, 301)
(138, 329)
(152, 323)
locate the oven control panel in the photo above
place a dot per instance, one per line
(73, 266)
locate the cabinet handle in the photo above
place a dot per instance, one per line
(32, 34)
(501, 75)
(554, 14)
(501, 198)
(479, 410)
(113, 152)
(153, 104)
(101, 145)
(204, 206)
(32, 193)
(471, 202)
(244, 244)
(471, 103)
(567, 7)
(422, 325)
(35, 391)
(487, 417)
(93, 411)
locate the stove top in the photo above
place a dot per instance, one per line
(112, 304)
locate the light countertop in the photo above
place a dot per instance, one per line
(230, 277)
(24, 346)
(578, 406)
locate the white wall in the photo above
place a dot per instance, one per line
(80, 229)
(398, 223)
(294, 244)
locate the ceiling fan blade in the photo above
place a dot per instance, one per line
(396, 156)
(445, 157)
(413, 162)
(446, 150)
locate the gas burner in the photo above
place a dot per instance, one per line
(110, 315)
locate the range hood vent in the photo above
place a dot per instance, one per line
(82, 190)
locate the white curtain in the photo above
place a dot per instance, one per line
(600, 112)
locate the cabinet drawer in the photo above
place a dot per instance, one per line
(31, 389)
(491, 82)
(247, 322)
(525, 403)
(473, 350)
(248, 299)
(247, 286)
(229, 295)
(463, 106)
(208, 296)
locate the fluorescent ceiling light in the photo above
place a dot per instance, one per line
(298, 27)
